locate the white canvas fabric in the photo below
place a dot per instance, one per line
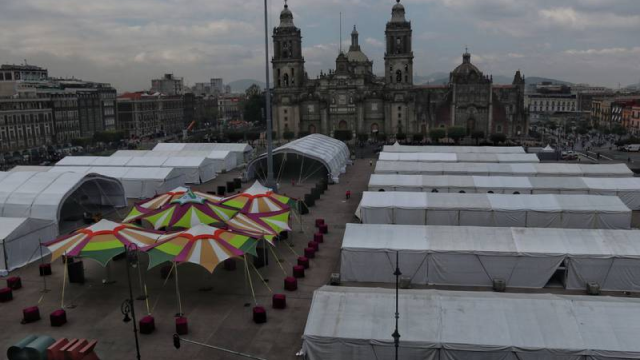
(498, 210)
(243, 152)
(397, 148)
(332, 153)
(459, 157)
(138, 182)
(194, 169)
(356, 323)
(503, 169)
(475, 256)
(20, 241)
(41, 195)
(627, 189)
(224, 160)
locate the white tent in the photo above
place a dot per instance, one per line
(627, 189)
(138, 182)
(196, 170)
(498, 210)
(33, 168)
(332, 153)
(242, 151)
(20, 241)
(397, 148)
(502, 169)
(475, 256)
(42, 195)
(224, 160)
(357, 323)
(460, 157)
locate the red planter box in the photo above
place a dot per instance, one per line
(30, 314)
(290, 283)
(6, 294)
(318, 237)
(303, 261)
(314, 245)
(14, 283)
(309, 253)
(147, 325)
(45, 269)
(58, 318)
(279, 301)
(259, 315)
(298, 271)
(323, 228)
(319, 222)
(182, 326)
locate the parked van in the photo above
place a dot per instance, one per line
(632, 148)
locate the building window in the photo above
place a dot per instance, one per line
(499, 129)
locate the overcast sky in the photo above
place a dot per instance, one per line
(128, 42)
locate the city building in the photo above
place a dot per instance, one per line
(12, 76)
(217, 86)
(66, 118)
(143, 114)
(230, 107)
(96, 105)
(601, 112)
(634, 122)
(168, 85)
(202, 89)
(353, 99)
(25, 122)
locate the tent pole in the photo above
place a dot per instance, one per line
(178, 292)
(44, 278)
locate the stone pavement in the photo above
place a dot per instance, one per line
(214, 304)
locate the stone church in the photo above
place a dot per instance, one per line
(353, 98)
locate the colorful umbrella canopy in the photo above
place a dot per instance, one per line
(267, 225)
(101, 241)
(202, 245)
(145, 207)
(258, 199)
(187, 211)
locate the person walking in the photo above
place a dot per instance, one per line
(348, 194)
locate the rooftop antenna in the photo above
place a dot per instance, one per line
(341, 32)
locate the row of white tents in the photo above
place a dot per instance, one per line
(357, 323)
(496, 210)
(223, 160)
(476, 256)
(397, 148)
(495, 169)
(243, 152)
(459, 157)
(627, 189)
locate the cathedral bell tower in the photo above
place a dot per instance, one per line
(398, 58)
(288, 63)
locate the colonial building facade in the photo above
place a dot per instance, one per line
(353, 98)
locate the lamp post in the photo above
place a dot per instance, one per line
(396, 334)
(127, 306)
(270, 181)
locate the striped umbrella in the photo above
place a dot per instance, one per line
(267, 225)
(147, 206)
(202, 245)
(189, 210)
(101, 241)
(258, 199)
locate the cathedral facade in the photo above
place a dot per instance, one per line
(353, 98)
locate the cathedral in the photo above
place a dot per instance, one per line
(353, 98)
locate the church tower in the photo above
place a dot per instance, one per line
(288, 63)
(398, 58)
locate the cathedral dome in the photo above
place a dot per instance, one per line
(286, 17)
(397, 13)
(467, 68)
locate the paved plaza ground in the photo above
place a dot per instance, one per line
(214, 304)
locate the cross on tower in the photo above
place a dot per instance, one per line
(285, 3)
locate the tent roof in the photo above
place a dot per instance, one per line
(332, 153)
(459, 157)
(496, 202)
(476, 321)
(124, 173)
(11, 227)
(234, 147)
(494, 169)
(23, 168)
(455, 149)
(42, 194)
(492, 240)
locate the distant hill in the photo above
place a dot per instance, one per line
(240, 86)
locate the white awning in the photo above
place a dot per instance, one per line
(475, 256)
(357, 323)
(498, 210)
(397, 148)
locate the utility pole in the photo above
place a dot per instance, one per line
(270, 180)
(396, 334)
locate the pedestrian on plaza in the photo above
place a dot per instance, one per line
(348, 194)
(370, 162)
(629, 159)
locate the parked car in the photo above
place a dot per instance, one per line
(569, 155)
(632, 148)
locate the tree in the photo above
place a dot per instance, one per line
(619, 130)
(401, 136)
(254, 105)
(363, 137)
(498, 138)
(288, 135)
(253, 90)
(108, 136)
(437, 134)
(477, 135)
(457, 133)
(418, 138)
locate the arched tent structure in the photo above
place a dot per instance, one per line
(57, 196)
(332, 156)
(20, 241)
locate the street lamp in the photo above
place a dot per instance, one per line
(127, 306)
(270, 181)
(396, 333)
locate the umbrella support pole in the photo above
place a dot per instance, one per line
(44, 278)
(107, 280)
(246, 266)
(278, 261)
(180, 313)
(143, 287)
(64, 280)
(261, 278)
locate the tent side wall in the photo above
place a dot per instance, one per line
(21, 246)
